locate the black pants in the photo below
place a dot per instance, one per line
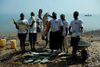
(22, 38)
(54, 40)
(74, 44)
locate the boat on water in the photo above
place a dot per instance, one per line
(88, 15)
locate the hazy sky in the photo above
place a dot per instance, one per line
(59, 6)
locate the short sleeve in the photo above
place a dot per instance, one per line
(60, 22)
(71, 24)
(18, 21)
(30, 21)
(26, 21)
(81, 23)
(67, 25)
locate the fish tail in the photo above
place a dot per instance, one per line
(12, 22)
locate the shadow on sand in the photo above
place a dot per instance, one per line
(67, 62)
(9, 56)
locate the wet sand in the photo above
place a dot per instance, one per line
(12, 57)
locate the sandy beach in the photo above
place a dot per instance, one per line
(13, 58)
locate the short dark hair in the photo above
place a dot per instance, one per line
(21, 14)
(32, 13)
(77, 13)
(54, 14)
(62, 15)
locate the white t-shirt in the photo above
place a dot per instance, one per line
(76, 24)
(33, 29)
(21, 29)
(55, 24)
(65, 25)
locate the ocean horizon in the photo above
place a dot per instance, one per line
(89, 22)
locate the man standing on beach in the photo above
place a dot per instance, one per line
(22, 32)
(77, 27)
(65, 30)
(32, 32)
(55, 33)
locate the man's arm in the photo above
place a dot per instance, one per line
(32, 23)
(50, 16)
(81, 29)
(17, 27)
(61, 29)
(69, 30)
(81, 26)
(47, 28)
(26, 30)
(66, 31)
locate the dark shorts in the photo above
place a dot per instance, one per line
(32, 37)
(75, 42)
(22, 37)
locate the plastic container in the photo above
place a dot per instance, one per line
(2, 42)
(13, 44)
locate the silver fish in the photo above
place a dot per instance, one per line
(44, 61)
(28, 61)
(37, 61)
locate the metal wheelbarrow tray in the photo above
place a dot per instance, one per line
(82, 45)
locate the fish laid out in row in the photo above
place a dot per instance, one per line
(43, 57)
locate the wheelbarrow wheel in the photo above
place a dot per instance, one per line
(84, 55)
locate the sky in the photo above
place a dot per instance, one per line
(58, 6)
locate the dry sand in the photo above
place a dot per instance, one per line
(13, 58)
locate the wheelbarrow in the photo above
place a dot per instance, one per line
(82, 47)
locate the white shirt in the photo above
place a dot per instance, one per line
(21, 29)
(32, 29)
(55, 24)
(65, 25)
(76, 24)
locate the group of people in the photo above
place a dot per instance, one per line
(59, 30)
(22, 32)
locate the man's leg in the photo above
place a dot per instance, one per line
(24, 38)
(30, 39)
(34, 40)
(21, 43)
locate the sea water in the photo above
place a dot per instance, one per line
(89, 22)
